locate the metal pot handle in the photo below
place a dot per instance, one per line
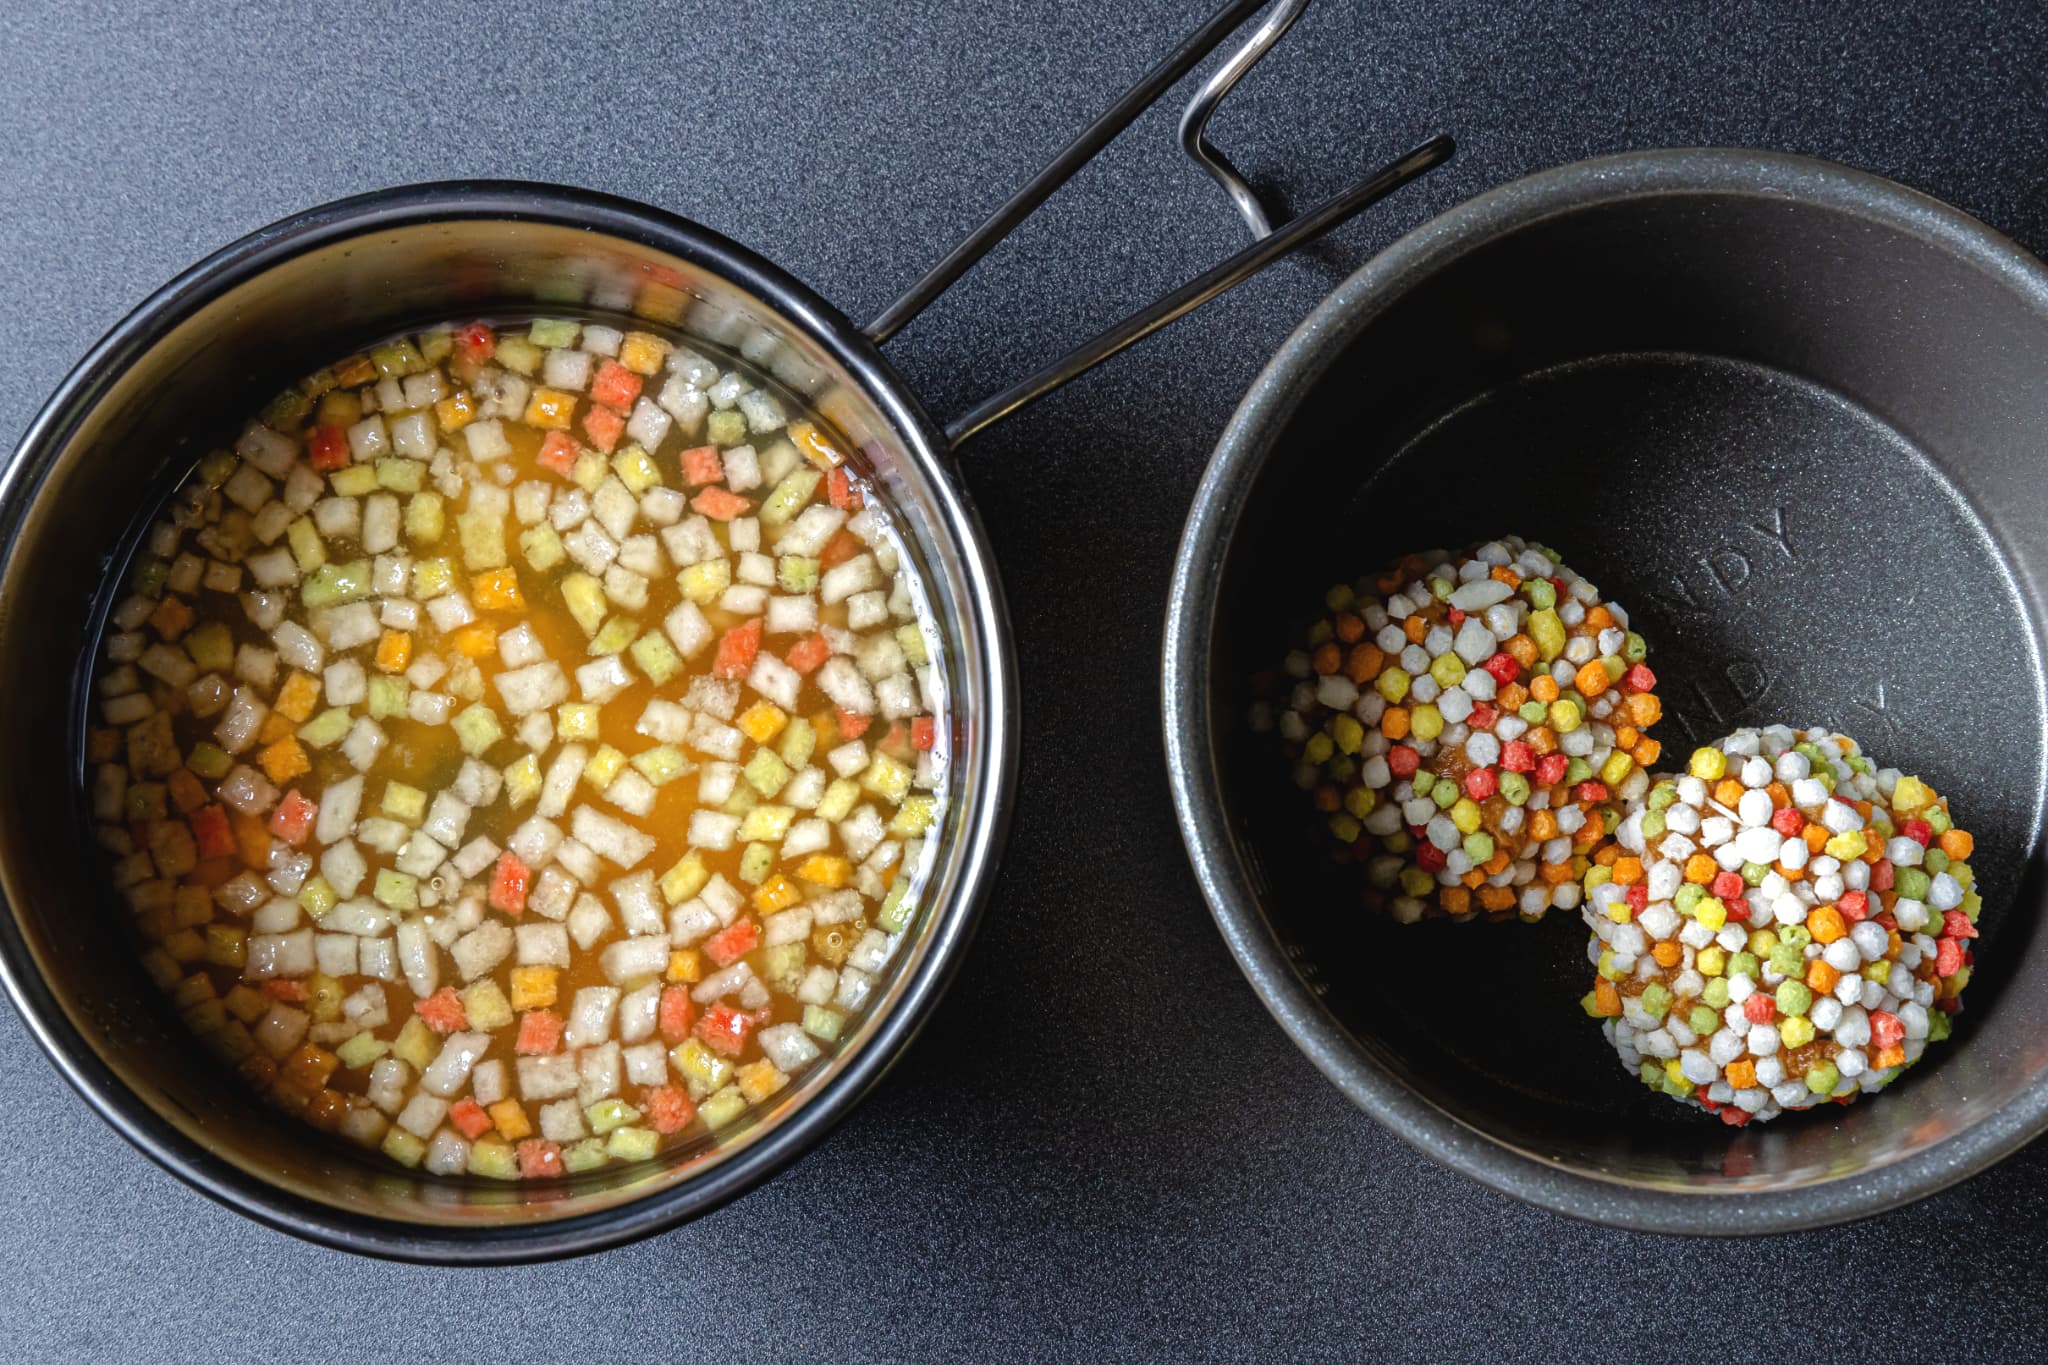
(1270, 243)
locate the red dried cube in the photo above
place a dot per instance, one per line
(853, 725)
(720, 505)
(668, 1109)
(808, 653)
(469, 1118)
(508, 884)
(701, 464)
(615, 386)
(539, 1158)
(327, 448)
(540, 1034)
(843, 491)
(603, 427)
(733, 942)
(737, 648)
(724, 1029)
(210, 830)
(675, 1013)
(558, 452)
(924, 733)
(443, 1011)
(293, 818)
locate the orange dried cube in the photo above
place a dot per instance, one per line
(1728, 792)
(1394, 722)
(1742, 1075)
(1543, 688)
(1958, 844)
(474, 641)
(1822, 978)
(816, 448)
(1592, 679)
(1628, 871)
(456, 411)
(762, 721)
(1456, 900)
(777, 893)
(1522, 650)
(550, 409)
(642, 352)
(1496, 898)
(171, 618)
(275, 728)
(297, 698)
(310, 1066)
(284, 760)
(394, 651)
(825, 869)
(1700, 869)
(685, 965)
(1826, 924)
(533, 988)
(1644, 710)
(497, 590)
(510, 1120)
(1667, 952)
(1647, 752)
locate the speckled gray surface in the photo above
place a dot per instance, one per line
(1102, 1146)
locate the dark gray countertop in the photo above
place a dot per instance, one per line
(1101, 1146)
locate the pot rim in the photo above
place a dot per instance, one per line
(1296, 368)
(984, 615)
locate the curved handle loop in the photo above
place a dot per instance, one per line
(1271, 244)
(1194, 121)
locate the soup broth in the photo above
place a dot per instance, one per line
(522, 751)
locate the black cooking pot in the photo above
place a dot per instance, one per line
(1791, 416)
(174, 379)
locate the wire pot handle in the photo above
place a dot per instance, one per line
(1269, 244)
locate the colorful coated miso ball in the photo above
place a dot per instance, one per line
(1782, 924)
(1470, 726)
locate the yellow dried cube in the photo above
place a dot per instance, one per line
(886, 778)
(686, 965)
(284, 760)
(297, 698)
(642, 352)
(685, 879)
(533, 988)
(484, 1004)
(394, 652)
(550, 409)
(510, 1120)
(604, 765)
(759, 1080)
(777, 893)
(703, 583)
(456, 411)
(575, 720)
(522, 780)
(636, 469)
(404, 802)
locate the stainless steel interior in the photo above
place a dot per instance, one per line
(175, 380)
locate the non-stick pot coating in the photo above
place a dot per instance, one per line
(1791, 418)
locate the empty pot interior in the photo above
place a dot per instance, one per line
(1793, 441)
(180, 380)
